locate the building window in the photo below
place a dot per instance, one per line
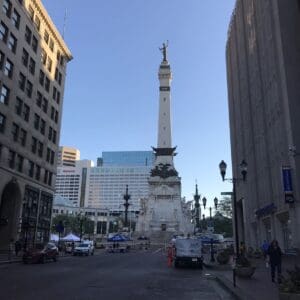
(2, 122)
(56, 117)
(43, 126)
(26, 112)
(31, 169)
(23, 136)
(12, 43)
(33, 145)
(15, 18)
(34, 44)
(37, 172)
(48, 155)
(56, 74)
(42, 78)
(50, 178)
(22, 81)
(37, 22)
(43, 57)
(18, 107)
(52, 157)
(25, 58)
(4, 95)
(52, 113)
(62, 61)
(45, 105)
(54, 93)
(15, 132)
(50, 133)
(58, 56)
(54, 137)
(51, 45)
(59, 78)
(2, 57)
(8, 68)
(36, 123)
(29, 89)
(46, 174)
(11, 159)
(58, 97)
(6, 7)
(3, 32)
(40, 149)
(49, 64)
(46, 36)
(39, 99)
(28, 35)
(31, 12)
(20, 160)
(47, 84)
(32, 66)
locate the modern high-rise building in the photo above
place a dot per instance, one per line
(33, 61)
(71, 182)
(127, 158)
(103, 187)
(263, 63)
(67, 156)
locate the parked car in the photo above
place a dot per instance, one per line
(84, 249)
(41, 253)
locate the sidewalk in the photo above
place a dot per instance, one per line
(259, 287)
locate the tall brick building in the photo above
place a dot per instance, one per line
(33, 61)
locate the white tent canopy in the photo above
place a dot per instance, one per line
(70, 238)
(54, 237)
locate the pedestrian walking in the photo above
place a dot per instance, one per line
(18, 247)
(170, 254)
(275, 258)
(242, 249)
(265, 247)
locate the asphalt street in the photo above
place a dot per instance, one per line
(128, 276)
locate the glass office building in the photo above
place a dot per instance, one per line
(126, 158)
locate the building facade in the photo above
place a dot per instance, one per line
(71, 182)
(103, 187)
(67, 156)
(263, 63)
(33, 61)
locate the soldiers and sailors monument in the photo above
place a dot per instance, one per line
(164, 209)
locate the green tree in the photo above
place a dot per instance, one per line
(223, 225)
(225, 207)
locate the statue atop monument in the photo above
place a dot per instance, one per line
(164, 50)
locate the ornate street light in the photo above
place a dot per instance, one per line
(216, 202)
(126, 204)
(234, 180)
(197, 210)
(204, 202)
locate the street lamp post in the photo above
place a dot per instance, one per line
(126, 205)
(234, 180)
(197, 210)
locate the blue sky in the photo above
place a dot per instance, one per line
(111, 97)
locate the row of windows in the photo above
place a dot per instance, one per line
(7, 38)
(16, 162)
(11, 13)
(40, 125)
(28, 61)
(48, 40)
(19, 134)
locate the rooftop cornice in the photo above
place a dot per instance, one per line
(52, 28)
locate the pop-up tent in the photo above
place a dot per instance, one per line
(70, 238)
(54, 237)
(118, 238)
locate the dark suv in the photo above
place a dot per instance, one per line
(40, 254)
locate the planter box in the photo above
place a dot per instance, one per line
(244, 272)
(288, 296)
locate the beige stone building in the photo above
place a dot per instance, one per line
(67, 156)
(33, 61)
(263, 63)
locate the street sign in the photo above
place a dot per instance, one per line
(226, 193)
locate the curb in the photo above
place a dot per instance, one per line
(4, 262)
